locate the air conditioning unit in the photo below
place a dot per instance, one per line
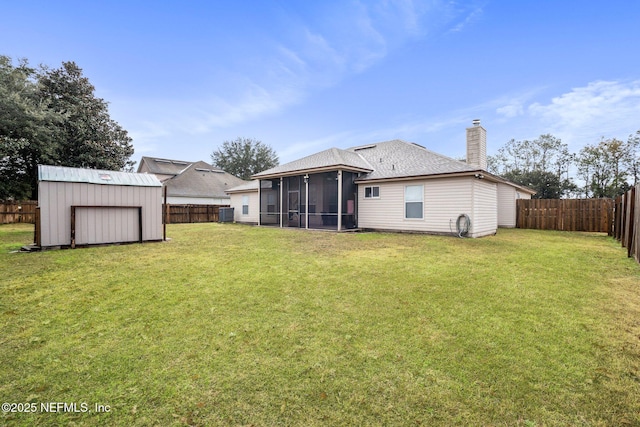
(226, 215)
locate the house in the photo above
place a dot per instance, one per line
(393, 185)
(191, 183)
(92, 207)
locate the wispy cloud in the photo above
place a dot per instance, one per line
(470, 16)
(601, 104)
(313, 54)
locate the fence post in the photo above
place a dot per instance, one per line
(631, 232)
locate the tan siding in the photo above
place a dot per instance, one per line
(506, 206)
(97, 225)
(173, 200)
(236, 204)
(444, 200)
(507, 196)
(485, 213)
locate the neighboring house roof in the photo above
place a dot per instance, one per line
(325, 160)
(200, 179)
(96, 176)
(160, 166)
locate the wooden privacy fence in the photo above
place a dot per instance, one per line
(626, 225)
(178, 214)
(23, 211)
(594, 215)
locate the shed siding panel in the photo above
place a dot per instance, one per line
(444, 200)
(485, 212)
(98, 225)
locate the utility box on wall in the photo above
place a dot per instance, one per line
(91, 207)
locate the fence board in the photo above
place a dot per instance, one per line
(180, 214)
(635, 251)
(594, 215)
(18, 212)
(627, 224)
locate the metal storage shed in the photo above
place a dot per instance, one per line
(92, 207)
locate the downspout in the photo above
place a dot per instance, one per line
(259, 202)
(281, 202)
(306, 201)
(339, 200)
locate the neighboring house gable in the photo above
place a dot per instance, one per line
(191, 182)
(163, 169)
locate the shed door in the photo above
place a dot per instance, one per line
(106, 225)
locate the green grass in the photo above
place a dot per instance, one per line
(236, 325)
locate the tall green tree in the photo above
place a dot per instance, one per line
(244, 157)
(53, 117)
(26, 129)
(87, 137)
(542, 164)
(609, 168)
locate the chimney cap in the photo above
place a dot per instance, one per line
(476, 122)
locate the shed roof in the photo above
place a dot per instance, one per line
(96, 176)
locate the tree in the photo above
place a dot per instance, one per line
(53, 117)
(88, 137)
(608, 167)
(542, 164)
(244, 157)
(547, 184)
(26, 130)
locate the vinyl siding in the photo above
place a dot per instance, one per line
(445, 200)
(506, 206)
(97, 225)
(173, 200)
(236, 204)
(507, 197)
(485, 212)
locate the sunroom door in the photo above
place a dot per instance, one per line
(294, 209)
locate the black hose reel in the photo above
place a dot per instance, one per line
(463, 225)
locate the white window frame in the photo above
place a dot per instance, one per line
(245, 205)
(409, 200)
(372, 189)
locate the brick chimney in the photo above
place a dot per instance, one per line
(477, 145)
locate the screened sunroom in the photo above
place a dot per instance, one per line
(317, 192)
(325, 200)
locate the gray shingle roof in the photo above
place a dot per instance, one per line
(397, 159)
(248, 186)
(163, 166)
(333, 157)
(200, 179)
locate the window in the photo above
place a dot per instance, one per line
(413, 195)
(371, 192)
(245, 205)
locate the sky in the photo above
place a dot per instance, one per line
(302, 76)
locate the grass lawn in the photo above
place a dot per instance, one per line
(236, 325)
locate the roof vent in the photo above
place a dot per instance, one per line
(364, 147)
(476, 122)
